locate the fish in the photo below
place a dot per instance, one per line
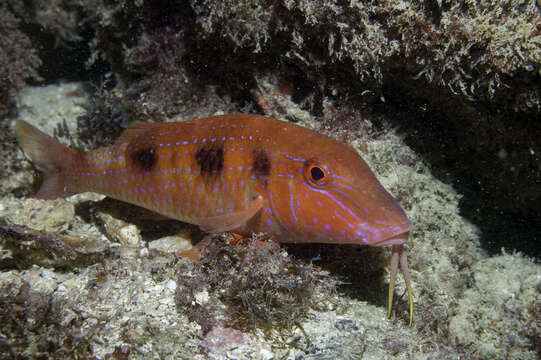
(239, 173)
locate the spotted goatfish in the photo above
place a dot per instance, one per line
(241, 173)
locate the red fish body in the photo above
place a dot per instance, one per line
(244, 173)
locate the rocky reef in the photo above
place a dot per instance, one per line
(441, 99)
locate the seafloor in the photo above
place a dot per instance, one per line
(80, 280)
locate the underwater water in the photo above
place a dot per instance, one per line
(406, 139)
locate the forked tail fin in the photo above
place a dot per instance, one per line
(49, 156)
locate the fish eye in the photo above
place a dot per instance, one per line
(316, 173)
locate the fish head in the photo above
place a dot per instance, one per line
(321, 190)
(331, 196)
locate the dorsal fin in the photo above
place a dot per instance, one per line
(133, 131)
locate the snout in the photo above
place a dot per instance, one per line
(394, 235)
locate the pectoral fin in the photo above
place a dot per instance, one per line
(227, 222)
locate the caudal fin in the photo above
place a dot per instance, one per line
(49, 156)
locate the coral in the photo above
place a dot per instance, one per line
(18, 61)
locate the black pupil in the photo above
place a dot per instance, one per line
(316, 173)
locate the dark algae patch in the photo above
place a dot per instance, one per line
(249, 286)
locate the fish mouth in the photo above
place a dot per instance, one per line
(396, 237)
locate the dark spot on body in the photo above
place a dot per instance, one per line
(144, 159)
(210, 159)
(261, 165)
